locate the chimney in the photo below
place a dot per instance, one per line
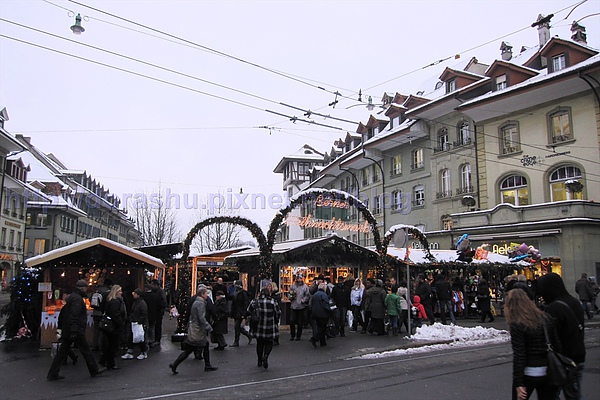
(543, 26)
(506, 49)
(579, 34)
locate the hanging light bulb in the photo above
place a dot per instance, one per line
(77, 28)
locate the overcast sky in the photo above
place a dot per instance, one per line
(195, 123)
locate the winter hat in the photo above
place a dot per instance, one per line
(238, 284)
(81, 283)
(220, 293)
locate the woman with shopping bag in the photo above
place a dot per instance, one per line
(139, 327)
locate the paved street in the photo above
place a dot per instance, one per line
(296, 370)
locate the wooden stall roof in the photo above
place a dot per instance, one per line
(104, 250)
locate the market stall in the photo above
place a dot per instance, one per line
(93, 260)
(330, 256)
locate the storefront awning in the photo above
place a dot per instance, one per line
(100, 251)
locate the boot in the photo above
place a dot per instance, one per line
(179, 360)
(395, 331)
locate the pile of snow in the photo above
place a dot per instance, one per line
(461, 336)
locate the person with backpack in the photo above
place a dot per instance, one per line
(239, 307)
(98, 303)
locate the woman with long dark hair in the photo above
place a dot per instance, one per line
(266, 329)
(527, 324)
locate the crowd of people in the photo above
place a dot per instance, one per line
(539, 314)
(124, 310)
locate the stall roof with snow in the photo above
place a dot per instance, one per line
(99, 252)
(325, 251)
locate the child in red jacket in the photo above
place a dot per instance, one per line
(418, 313)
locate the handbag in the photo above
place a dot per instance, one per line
(561, 369)
(137, 330)
(197, 336)
(106, 324)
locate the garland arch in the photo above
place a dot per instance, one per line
(299, 198)
(412, 231)
(265, 256)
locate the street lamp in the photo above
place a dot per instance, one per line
(77, 28)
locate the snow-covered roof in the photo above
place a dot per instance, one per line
(39, 172)
(86, 244)
(535, 80)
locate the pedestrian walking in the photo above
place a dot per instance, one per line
(375, 306)
(569, 318)
(340, 294)
(74, 332)
(198, 330)
(528, 325)
(425, 294)
(98, 303)
(111, 341)
(443, 292)
(220, 320)
(321, 311)
(584, 290)
(266, 327)
(160, 311)
(484, 301)
(239, 307)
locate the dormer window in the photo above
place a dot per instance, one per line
(501, 82)
(559, 62)
(451, 86)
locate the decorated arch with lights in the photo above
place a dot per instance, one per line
(330, 194)
(411, 230)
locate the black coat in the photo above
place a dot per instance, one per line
(569, 319)
(74, 314)
(154, 303)
(341, 295)
(424, 292)
(220, 318)
(443, 290)
(240, 303)
(115, 309)
(139, 311)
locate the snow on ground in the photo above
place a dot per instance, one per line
(461, 336)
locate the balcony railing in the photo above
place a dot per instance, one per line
(509, 149)
(443, 194)
(417, 165)
(418, 203)
(462, 142)
(442, 147)
(464, 190)
(561, 138)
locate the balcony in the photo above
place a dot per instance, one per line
(510, 149)
(443, 194)
(463, 142)
(418, 203)
(561, 138)
(442, 147)
(464, 190)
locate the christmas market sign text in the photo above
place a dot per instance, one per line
(333, 224)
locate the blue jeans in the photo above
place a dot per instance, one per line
(573, 391)
(393, 321)
(446, 305)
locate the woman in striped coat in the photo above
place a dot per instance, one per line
(265, 328)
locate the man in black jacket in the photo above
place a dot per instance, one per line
(583, 287)
(569, 319)
(341, 298)
(239, 307)
(444, 296)
(73, 331)
(424, 292)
